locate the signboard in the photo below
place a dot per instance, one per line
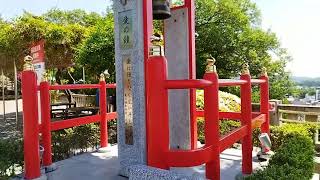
(128, 101)
(126, 29)
(38, 55)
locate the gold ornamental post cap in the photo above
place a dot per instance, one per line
(106, 74)
(45, 77)
(210, 65)
(28, 66)
(102, 77)
(245, 69)
(264, 71)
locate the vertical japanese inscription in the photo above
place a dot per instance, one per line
(128, 101)
(126, 36)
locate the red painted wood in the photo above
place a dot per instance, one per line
(231, 82)
(222, 115)
(229, 139)
(147, 31)
(257, 81)
(30, 125)
(190, 4)
(103, 114)
(189, 158)
(246, 112)
(258, 120)
(46, 121)
(211, 116)
(158, 116)
(264, 104)
(187, 84)
(111, 86)
(57, 125)
(111, 116)
(74, 86)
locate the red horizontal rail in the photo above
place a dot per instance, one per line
(227, 140)
(57, 125)
(74, 86)
(189, 158)
(178, 7)
(228, 115)
(111, 86)
(187, 84)
(258, 120)
(111, 116)
(80, 121)
(258, 81)
(222, 115)
(231, 82)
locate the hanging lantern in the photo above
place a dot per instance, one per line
(161, 9)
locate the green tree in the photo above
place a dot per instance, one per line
(63, 32)
(96, 53)
(230, 31)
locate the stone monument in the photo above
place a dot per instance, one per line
(133, 30)
(130, 78)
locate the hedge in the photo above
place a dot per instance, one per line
(293, 160)
(65, 143)
(227, 103)
(231, 103)
(11, 156)
(278, 133)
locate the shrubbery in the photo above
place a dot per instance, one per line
(72, 141)
(279, 134)
(231, 103)
(11, 157)
(227, 103)
(293, 160)
(65, 143)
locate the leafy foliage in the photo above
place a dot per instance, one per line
(230, 31)
(65, 143)
(231, 103)
(293, 160)
(227, 103)
(11, 157)
(96, 53)
(63, 31)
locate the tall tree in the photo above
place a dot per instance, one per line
(230, 31)
(97, 53)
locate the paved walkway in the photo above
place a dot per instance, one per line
(8, 125)
(89, 166)
(105, 166)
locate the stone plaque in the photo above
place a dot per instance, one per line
(128, 104)
(126, 27)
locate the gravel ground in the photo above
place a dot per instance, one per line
(8, 125)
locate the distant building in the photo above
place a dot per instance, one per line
(318, 94)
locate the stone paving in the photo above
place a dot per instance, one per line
(105, 166)
(8, 125)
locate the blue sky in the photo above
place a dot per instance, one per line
(296, 22)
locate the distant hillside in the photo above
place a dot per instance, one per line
(306, 81)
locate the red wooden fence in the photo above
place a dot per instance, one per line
(159, 154)
(32, 127)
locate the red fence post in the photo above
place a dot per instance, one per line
(103, 112)
(30, 123)
(246, 111)
(264, 101)
(211, 115)
(46, 122)
(158, 115)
